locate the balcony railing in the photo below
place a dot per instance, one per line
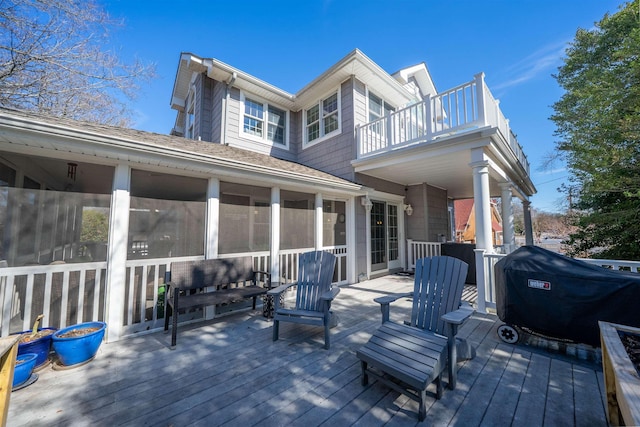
(452, 112)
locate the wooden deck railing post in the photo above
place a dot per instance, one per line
(481, 280)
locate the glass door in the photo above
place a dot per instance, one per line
(394, 235)
(378, 236)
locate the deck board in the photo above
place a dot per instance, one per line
(229, 372)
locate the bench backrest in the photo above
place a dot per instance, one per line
(211, 272)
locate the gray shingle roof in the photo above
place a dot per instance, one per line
(179, 147)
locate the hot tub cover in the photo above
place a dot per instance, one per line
(562, 297)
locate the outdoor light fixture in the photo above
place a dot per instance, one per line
(408, 209)
(366, 202)
(72, 168)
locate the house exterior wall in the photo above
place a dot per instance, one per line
(430, 213)
(217, 106)
(205, 126)
(334, 155)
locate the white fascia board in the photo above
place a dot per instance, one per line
(421, 73)
(342, 70)
(177, 103)
(348, 66)
(220, 71)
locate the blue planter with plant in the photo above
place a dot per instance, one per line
(79, 343)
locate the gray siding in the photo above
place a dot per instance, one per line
(334, 155)
(216, 111)
(359, 104)
(379, 184)
(295, 133)
(206, 108)
(430, 213)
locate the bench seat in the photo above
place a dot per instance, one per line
(193, 284)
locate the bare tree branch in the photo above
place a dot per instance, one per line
(54, 59)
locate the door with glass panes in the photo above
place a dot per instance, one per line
(384, 236)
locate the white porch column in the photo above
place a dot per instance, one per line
(352, 273)
(274, 249)
(211, 231)
(117, 252)
(528, 228)
(482, 205)
(367, 213)
(317, 224)
(508, 235)
(213, 219)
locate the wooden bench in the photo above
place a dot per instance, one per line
(230, 280)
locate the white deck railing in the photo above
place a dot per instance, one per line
(73, 293)
(66, 294)
(417, 250)
(454, 111)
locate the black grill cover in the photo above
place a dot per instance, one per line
(562, 297)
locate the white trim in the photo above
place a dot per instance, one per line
(274, 250)
(265, 106)
(323, 137)
(318, 225)
(117, 252)
(213, 218)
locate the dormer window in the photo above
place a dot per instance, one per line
(264, 122)
(322, 119)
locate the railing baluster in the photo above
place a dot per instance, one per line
(80, 309)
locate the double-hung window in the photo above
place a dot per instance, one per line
(323, 118)
(265, 122)
(378, 108)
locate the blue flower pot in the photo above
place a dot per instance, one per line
(40, 346)
(24, 368)
(78, 349)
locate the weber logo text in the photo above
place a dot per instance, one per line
(539, 284)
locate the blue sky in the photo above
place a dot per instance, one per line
(518, 44)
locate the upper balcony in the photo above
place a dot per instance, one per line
(449, 114)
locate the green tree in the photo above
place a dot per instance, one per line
(55, 59)
(598, 125)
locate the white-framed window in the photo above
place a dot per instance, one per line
(190, 119)
(378, 107)
(263, 122)
(322, 120)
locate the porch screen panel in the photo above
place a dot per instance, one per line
(165, 228)
(392, 219)
(39, 227)
(245, 215)
(296, 220)
(334, 230)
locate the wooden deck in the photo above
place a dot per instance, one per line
(229, 372)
